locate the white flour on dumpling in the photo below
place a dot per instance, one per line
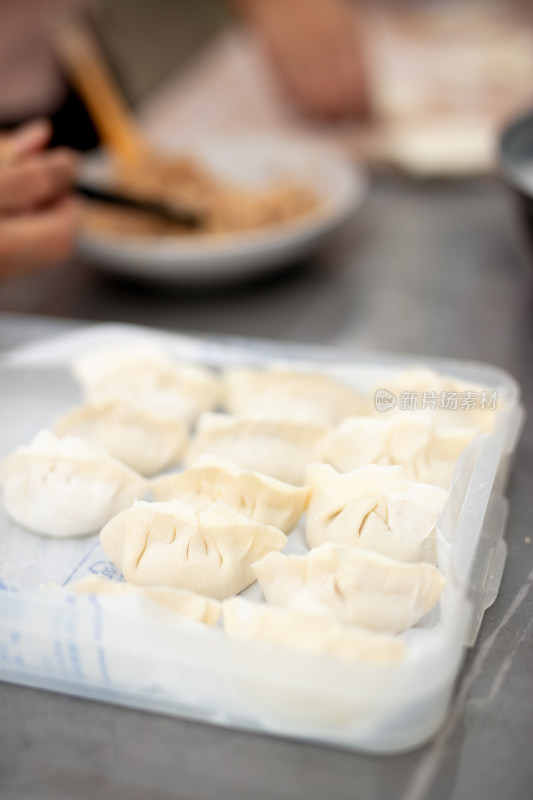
(66, 487)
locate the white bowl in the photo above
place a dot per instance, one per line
(340, 185)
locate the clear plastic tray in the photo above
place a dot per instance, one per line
(135, 654)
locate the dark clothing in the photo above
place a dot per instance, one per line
(71, 124)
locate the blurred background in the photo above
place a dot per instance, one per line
(419, 84)
(416, 92)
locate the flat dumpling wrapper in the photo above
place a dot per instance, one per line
(280, 448)
(290, 393)
(374, 508)
(143, 372)
(193, 606)
(66, 487)
(146, 439)
(173, 544)
(357, 586)
(427, 452)
(256, 496)
(309, 632)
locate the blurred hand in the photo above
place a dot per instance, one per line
(39, 215)
(314, 45)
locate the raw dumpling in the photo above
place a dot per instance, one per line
(374, 508)
(148, 375)
(96, 367)
(359, 441)
(146, 439)
(428, 453)
(446, 446)
(256, 496)
(277, 447)
(309, 632)
(357, 586)
(66, 487)
(187, 604)
(287, 393)
(449, 400)
(173, 544)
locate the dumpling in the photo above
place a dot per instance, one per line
(187, 604)
(357, 586)
(427, 452)
(309, 632)
(148, 375)
(173, 544)
(146, 439)
(400, 440)
(449, 442)
(66, 487)
(288, 393)
(96, 367)
(446, 446)
(277, 447)
(256, 496)
(374, 508)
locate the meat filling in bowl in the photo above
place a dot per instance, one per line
(223, 208)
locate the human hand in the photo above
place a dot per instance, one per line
(39, 215)
(315, 47)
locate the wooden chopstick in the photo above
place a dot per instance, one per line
(90, 75)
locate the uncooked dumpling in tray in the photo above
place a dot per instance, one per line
(427, 452)
(357, 586)
(288, 393)
(447, 444)
(277, 447)
(309, 632)
(186, 604)
(374, 508)
(146, 439)
(144, 373)
(173, 544)
(256, 496)
(66, 487)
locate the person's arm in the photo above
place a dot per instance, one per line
(38, 213)
(315, 47)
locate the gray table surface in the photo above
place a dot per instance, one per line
(429, 269)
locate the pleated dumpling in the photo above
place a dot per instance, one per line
(427, 452)
(277, 447)
(193, 606)
(309, 632)
(401, 440)
(374, 508)
(289, 393)
(256, 496)
(144, 372)
(357, 586)
(146, 439)
(66, 487)
(173, 544)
